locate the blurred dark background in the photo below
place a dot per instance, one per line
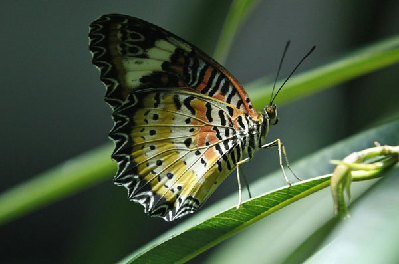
(52, 105)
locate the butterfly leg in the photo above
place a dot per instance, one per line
(281, 149)
(239, 182)
(246, 183)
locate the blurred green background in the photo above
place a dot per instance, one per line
(52, 104)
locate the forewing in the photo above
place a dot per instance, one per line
(173, 148)
(133, 54)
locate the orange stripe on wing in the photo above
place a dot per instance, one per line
(243, 95)
(200, 109)
(205, 81)
(220, 96)
(211, 155)
(205, 133)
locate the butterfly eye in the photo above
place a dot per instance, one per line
(271, 111)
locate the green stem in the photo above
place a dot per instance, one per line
(68, 178)
(238, 11)
(363, 61)
(350, 170)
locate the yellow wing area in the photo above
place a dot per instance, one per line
(173, 148)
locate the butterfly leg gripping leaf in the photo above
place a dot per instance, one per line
(239, 182)
(281, 150)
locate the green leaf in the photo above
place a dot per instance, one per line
(368, 59)
(311, 244)
(239, 10)
(371, 234)
(69, 177)
(210, 227)
(217, 228)
(279, 238)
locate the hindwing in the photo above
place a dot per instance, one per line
(173, 148)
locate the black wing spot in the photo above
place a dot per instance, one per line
(169, 175)
(222, 118)
(225, 88)
(240, 122)
(230, 110)
(187, 103)
(177, 102)
(157, 98)
(219, 164)
(187, 142)
(209, 112)
(239, 103)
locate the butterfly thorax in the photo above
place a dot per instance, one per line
(252, 134)
(261, 127)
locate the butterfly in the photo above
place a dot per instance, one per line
(182, 122)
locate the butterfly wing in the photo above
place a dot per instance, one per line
(175, 111)
(133, 54)
(174, 148)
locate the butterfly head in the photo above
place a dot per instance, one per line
(269, 117)
(270, 113)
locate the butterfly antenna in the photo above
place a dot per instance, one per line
(279, 68)
(296, 67)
